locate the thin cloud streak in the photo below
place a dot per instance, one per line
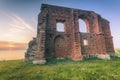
(19, 20)
(15, 28)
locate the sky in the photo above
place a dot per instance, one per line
(18, 18)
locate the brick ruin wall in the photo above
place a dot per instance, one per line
(51, 43)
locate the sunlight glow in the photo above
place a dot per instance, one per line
(16, 29)
(12, 45)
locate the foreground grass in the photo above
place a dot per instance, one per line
(117, 51)
(90, 69)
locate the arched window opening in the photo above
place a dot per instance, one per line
(85, 42)
(82, 26)
(60, 26)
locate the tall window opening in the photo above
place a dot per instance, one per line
(85, 42)
(60, 26)
(82, 26)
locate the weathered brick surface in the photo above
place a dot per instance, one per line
(70, 43)
(31, 51)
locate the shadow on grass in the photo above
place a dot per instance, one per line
(54, 61)
(68, 60)
(57, 61)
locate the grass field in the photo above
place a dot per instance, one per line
(66, 69)
(117, 50)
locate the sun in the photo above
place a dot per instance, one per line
(11, 45)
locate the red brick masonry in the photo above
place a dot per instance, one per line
(70, 43)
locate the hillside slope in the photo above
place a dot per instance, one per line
(92, 69)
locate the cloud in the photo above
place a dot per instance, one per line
(15, 28)
(19, 22)
(4, 45)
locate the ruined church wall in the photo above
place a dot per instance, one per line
(70, 42)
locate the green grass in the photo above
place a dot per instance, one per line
(66, 69)
(117, 50)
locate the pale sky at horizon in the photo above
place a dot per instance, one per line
(18, 18)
